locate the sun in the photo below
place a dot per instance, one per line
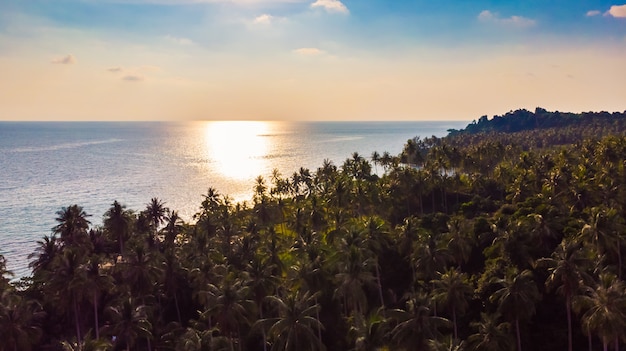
(238, 148)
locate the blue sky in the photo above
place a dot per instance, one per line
(308, 59)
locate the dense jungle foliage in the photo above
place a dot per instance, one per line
(486, 239)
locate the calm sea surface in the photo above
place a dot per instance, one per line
(46, 166)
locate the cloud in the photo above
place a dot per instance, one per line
(263, 19)
(133, 78)
(330, 6)
(115, 69)
(308, 51)
(65, 60)
(513, 21)
(179, 40)
(617, 11)
(592, 13)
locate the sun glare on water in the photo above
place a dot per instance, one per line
(238, 148)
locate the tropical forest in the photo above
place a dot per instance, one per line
(505, 235)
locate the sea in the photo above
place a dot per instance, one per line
(45, 166)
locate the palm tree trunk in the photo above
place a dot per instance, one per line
(232, 348)
(456, 335)
(263, 329)
(569, 321)
(519, 340)
(180, 320)
(619, 260)
(95, 313)
(317, 315)
(616, 343)
(589, 339)
(76, 320)
(380, 288)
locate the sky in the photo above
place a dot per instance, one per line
(308, 59)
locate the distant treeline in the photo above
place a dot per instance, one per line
(522, 120)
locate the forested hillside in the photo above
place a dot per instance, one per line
(507, 239)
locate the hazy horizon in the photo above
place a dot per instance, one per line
(307, 60)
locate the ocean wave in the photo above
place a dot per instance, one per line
(63, 146)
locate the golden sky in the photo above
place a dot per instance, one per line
(307, 60)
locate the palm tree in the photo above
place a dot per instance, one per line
(605, 309)
(567, 275)
(604, 230)
(88, 344)
(67, 285)
(453, 289)
(117, 222)
(129, 321)
(140, 272)
(19, 319)
(296, 324)
(460, 243)
(73, 225)
(415, 324)
(369, 331)
(173, 227)
(354, 275)
(375, 160)
(516, 298)
(44, 254)
(491, 335)
(96, 284)
(228, 304)
(156, 213)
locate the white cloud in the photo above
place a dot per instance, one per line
(617, 11)
(115, 69)
(179, 40)
(592, 13)
(263, 19)
(308, 51)
(513, 21)
(65, 60)
(331, 6)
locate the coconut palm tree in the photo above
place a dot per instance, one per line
(491, 334)
(88, 344)
(516, 298)
(46, 251)
(73, 225)
(156, 213)
(19, 322)
(229, 305)
(605, 306)
(415, 325)
(96, 284)
(118, 223)
(355, 274)
(453, 290)
(369, 332)
(567, 274)
(296, 324)
(129, 322)
(67, 285)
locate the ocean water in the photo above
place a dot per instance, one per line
(47, 166)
